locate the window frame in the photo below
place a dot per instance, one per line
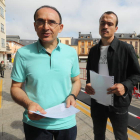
(1, 11)
(82, 48)
(82, 43)
(2, 27)
(2, 43)
(89, 43)
(67, 42)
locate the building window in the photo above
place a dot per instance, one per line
(136, 47)
(133, 36)
(136, 44)
(89, 43)
(136, 50)
(82, 43)
(7, 43)
(67, 42)
(3, 43)
(88, 37)
(89, 50)
(2, 27)
(1, 12)
(82, 50)
(81, 36)
(131, 42)
(122, 35)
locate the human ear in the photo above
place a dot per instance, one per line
(61, 28)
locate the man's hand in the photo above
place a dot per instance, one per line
(35, 107)
(89, 90)
(70, 101)
(117, 89)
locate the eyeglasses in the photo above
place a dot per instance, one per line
(51, 23)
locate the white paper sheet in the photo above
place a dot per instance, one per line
(59, 111)
(100, 84)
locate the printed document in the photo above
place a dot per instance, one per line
(59, 111)
(100, 84)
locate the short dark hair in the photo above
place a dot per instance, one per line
(47, 6)
(108, 13)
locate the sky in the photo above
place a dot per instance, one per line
(77, 16)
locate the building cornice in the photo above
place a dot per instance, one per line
(85, 39)
(14, 42)
(130, 38)
(2, 3)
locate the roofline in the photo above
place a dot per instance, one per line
(127, 38)
(13, 41)
(85, 39)
(64, 37)
(12, 36)
(27, 40)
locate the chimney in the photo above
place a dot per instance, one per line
(79, 34)
(135, 33)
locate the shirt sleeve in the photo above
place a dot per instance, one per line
(75, 67)
(18, 71)
(133, 70)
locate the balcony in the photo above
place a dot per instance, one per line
(8, 48)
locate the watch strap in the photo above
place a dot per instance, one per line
(73, 96)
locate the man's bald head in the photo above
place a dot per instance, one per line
(47, 6)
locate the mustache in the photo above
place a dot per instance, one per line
(105, 30)
(46, 32)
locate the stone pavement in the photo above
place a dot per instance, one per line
(11, 127)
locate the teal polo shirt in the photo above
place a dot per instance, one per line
(48, 79)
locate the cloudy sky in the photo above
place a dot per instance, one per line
(77, 16)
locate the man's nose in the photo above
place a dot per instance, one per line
(105, 26)
(46, 25)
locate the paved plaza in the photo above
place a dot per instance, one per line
(11, 127)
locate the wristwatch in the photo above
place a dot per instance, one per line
(73, 96)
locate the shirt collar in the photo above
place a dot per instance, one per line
(40, 47)
(113, 44)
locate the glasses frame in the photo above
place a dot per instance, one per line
(44, 22)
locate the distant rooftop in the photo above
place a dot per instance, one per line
(85, 36)
(26, 42)
(13, 36)
(96, 40)
(126, 35)
(74, 41)
(11, 40)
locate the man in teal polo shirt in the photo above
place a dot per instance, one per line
(51, 72)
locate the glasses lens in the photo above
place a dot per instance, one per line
(39, 22)
(52, 24)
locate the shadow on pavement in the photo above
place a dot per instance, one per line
(6, 136)
(15, 125)
(7, 96)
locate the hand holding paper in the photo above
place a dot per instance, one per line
(100, 84)
(70, 101)
(117, 89)
(89, 89)
(59, 111)
(36, 107)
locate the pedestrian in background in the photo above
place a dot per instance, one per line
(2, 68)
